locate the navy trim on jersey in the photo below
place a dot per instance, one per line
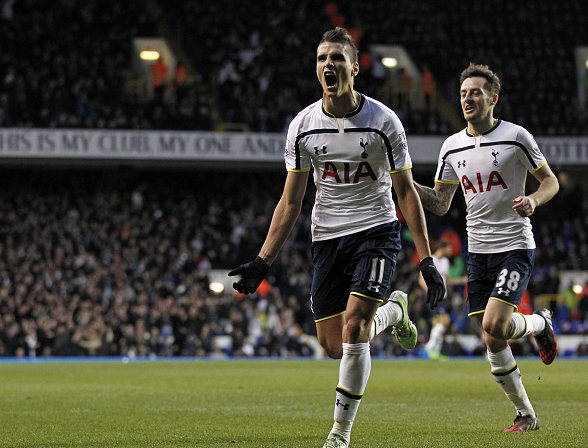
(504, 142)
(452, 151)
(336, 131)
(485, 132)
(350, 114)
(304, 134)
(515, 143)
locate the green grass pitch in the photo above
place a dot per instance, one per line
(282, 403)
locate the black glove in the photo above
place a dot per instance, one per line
(252, 274)
(434, 281)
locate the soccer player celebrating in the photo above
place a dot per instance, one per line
(358, 150)
(490, 160)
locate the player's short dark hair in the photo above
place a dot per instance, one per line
(492, 79)
(341, 36)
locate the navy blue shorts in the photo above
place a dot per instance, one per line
(361, 264)
(503, 276)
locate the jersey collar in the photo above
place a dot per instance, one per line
(349, 114)
(485, 132)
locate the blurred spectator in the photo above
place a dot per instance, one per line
(159, 80)
(80, 77)
(180, 83)
(582, 349)
(440, 317)
(585, 87)
(106, 272)
(405, 93)
(99, 263)
(428, 88)
(583, 304)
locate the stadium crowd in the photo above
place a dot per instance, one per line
(249, 61)
(117, 262)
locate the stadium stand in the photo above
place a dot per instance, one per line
(115, 262)
(251, 63)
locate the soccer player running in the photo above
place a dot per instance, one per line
(358, 150)
(490, 160)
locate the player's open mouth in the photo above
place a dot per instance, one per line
(330, 79)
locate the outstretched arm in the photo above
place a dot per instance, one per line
(437, 199)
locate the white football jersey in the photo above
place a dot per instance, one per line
(492, 171)
(352, 158)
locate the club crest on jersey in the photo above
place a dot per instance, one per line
(364, 154)
(495, 154)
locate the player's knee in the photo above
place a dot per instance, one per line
(495, 329)
(332, 350)
(356, 329)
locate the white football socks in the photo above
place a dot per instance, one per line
(387, 315)
(508, 376)
(354, 372)
(524, 325)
